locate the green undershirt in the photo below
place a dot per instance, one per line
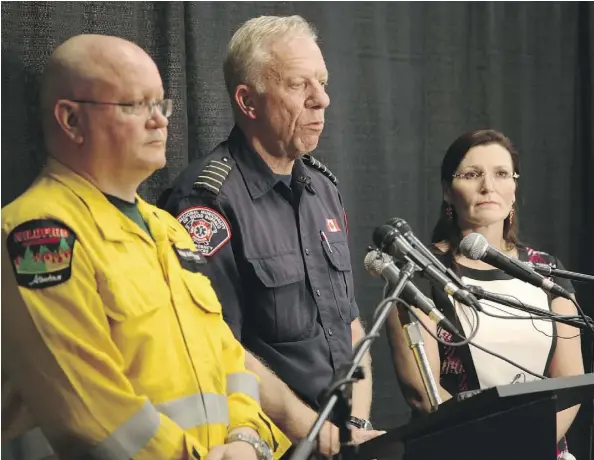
(129, 209)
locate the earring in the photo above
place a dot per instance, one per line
(448, 211)
(511, 217)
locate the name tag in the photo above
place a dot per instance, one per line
(190, 260)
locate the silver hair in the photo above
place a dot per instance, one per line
(249, 48)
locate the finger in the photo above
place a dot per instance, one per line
(360, 436)
(216, 453)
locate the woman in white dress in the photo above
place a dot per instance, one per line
(480, 174)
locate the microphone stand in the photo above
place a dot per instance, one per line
(548, 270)
(486, 295)
(339, 392)
(416, 344)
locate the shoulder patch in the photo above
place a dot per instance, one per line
(214, 175)
(312, 162)
(41, 253)
(208, 228)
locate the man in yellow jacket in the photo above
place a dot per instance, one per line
(113, 343)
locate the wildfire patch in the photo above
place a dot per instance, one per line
(208, 229)
(41, 253)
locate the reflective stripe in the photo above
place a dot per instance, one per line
(33, 445)
(242, 382)
(131, 436)
(189, 411)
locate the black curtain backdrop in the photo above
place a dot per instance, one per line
(405, 80)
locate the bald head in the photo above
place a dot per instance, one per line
(96, 68)
(97, 98)
(87, 65)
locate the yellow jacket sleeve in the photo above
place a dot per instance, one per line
(58, 353)
(243, 397)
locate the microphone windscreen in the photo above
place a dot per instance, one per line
(380, 235)
(474, 246)
(375, 261)
(400, 224)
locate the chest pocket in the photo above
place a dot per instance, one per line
(193, 268)
(340, 272)
(276, 303)
(132, 293)
(201, 291)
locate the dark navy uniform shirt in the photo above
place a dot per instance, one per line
(277, 256)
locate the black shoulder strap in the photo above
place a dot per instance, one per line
(214, 174)
(312, 162)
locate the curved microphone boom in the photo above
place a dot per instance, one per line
(389, 240)
(379, 264)
(476, 247)
(550, 270)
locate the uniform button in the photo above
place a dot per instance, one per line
(318, 293)
(330, 333)
(307, 252)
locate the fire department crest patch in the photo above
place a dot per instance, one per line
(41, 253)
(208, 229)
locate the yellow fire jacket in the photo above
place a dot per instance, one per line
(113, 345)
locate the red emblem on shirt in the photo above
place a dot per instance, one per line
(332, 225)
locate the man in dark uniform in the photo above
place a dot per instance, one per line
(270, 221)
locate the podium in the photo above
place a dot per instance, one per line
(510, 422)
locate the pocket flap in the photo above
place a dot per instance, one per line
(202, 291)
(132, 293)
(339, 257)
(279, 270)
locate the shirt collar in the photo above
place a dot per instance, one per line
(111, 222)
(258, 176)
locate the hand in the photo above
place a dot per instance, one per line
(359, 435)
(238, 450)
(330, 443)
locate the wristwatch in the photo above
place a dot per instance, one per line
(360, 423)
(262, 450)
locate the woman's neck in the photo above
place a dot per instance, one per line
(492, 233)
(494, 236)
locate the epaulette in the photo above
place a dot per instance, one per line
(311, 161)
(214, 174)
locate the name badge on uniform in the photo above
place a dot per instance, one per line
(189, 260)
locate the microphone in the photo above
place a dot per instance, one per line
(476, 247)
(389, 240)
(379, 264)
(406, 231)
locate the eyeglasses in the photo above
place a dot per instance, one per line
(476, 175)
(137, 107)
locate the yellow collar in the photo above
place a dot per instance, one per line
(112, 223)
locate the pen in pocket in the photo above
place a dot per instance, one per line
(325, 240)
